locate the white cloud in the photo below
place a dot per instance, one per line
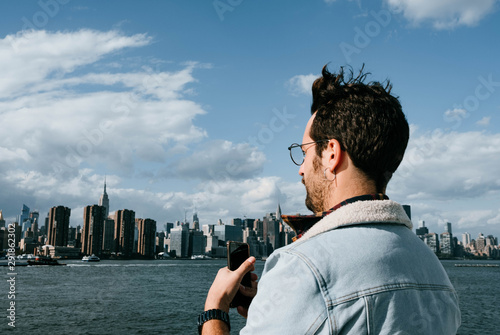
(220, 160)
(63, 120)
(301, 84)
(65, 117)
(485, 121)
(444, 14)
(30, 57)
(450, 177)
(449, 166)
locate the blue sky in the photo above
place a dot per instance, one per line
(192, 104)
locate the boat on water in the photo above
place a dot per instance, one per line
(200, 257)
(43, 260)
(92, 258)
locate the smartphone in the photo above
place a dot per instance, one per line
(237, 253)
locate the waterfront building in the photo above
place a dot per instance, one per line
(250, 237)
(228, 233)
(34, 227)
(136, 238)
(196, 221)
(446, 244)
(466, 239)
(208, 229)
(271, 227)
(160, 242)
(236, 222)
(28, 245)
(248, 223)
(258, 226)
(46, 227)
(480, 243)
(179, 241)
(78, 237)
(422, 230)
(196, 243)
(168, 227)
(58, 227)
(432, 241)
(104, 200)
(25, 214)
(4, 238)
(447, 227)
(407, 209)
(34, 217)
(212, 242)
(72, 236)
(108, 235)
(147, 237)
(124, 232)
(2, 220)
(93, 227)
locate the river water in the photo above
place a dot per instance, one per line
(165, 297)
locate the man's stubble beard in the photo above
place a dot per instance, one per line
(316, 188)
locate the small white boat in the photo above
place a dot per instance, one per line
(92, 258)
(200, 257)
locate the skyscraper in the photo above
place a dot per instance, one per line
(422, 230)
(25, 214)
(432, 240)
(124, 232)
(147, 237)
(104, 200)
(407, 209)
(108, 235)
(465, 239)
(271, 226)
(57, 234)
(447, 228)
(446, 244)
(179, 240)
(2, 220)
(93, 226)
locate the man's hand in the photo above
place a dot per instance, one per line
(222, 292)
(249, 292)
(227, 283)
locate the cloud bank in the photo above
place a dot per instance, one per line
(443, 14)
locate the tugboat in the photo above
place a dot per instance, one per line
(92, 258)
(43, 260)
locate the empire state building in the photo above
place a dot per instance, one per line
(104, 200)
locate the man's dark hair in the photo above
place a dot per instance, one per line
(365, 118)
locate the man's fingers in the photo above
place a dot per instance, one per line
(246, 266)
(248, 291)
(242, 311)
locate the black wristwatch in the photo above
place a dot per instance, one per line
(212, 314)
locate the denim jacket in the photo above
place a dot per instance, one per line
(360, 270)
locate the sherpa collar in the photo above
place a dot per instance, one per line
(361, 212)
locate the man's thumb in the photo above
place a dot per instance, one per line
(246, 266)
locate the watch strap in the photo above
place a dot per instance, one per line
(213, 314)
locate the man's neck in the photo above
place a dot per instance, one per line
(352, 188)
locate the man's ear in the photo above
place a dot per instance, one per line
(333, 155)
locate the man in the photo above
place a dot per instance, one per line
(356, 266)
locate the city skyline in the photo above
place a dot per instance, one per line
(160, 225)
(184, 105)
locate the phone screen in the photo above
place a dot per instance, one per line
(237, 253)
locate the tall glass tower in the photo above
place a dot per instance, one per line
(104, 200)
